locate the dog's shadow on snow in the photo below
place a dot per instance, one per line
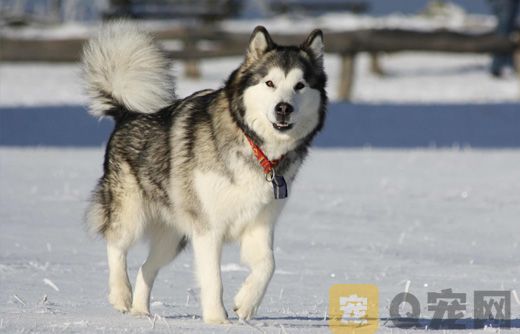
(402, 323)
(348, 125)
(411, 324)
(295, 321)
(446, 324)
(291, 321)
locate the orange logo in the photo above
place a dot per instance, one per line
(353, 309)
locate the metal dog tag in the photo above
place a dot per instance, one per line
(279, 187)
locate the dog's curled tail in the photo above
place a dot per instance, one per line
(125, 70)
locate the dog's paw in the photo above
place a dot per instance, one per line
(140, 306)
(245, 304)
(140, 312)
(245, 307)
(245, 312)
(121, 304)
(216, 317)
(121, 300)
(217, 321)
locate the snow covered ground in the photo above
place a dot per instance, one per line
(436, 218)
(427, 219)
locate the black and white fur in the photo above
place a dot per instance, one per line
(179, 170)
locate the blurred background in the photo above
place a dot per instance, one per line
(413, 185)
(388, 61)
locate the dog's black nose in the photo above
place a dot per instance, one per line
(283, 109)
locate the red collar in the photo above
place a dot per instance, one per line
(266, 164)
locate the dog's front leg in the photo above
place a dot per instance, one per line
(207, 247)
(256, 250)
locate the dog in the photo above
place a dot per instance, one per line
(211, 168)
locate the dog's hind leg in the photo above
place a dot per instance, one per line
(127, 222)
(120, 295)
(165, 244)
(256, 252)
(105, 216)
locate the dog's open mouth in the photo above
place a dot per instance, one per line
(282, 126)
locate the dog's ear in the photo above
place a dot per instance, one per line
(259, 43)
(314, 45)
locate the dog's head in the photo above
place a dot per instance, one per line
(279, 91)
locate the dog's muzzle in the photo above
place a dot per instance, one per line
(283, 111)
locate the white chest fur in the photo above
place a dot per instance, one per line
(232, 203)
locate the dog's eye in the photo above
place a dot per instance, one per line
(269, 83)
(299, 86)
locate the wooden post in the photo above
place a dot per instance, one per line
(346, 79)
(516, 60)
(375, 64)
(191, 66)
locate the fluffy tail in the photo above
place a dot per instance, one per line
(123, 67)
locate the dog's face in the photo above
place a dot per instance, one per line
(283, 88)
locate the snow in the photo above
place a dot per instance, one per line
(432, 78)
(453, 18)
(456, 20)
(40, 84)
(63, 31)
(416, 220)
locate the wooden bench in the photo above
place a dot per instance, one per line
(373, 41)
(346, 44)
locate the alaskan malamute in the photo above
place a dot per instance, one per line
(207, 169)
